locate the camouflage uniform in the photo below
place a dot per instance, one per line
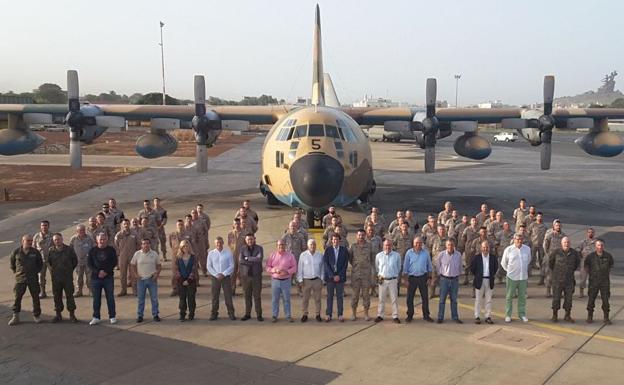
(444, 216)
(43, 242)
(25, 267)
(153, 220)
(552, 242)
(126, 245)
(598, 268)
(587, 247)
(376, 247)
(378, 226)
(119, 216)
(493, 227)
(361, 258)
(469, 235)
(563, 264)
(248, 225)
(481, 218)
(200, 245)
(81, 248)
(536, 232)
(236, 241)
(456, 229)
(503, 239)
(519, 215)
(401, 243)
(328, 233)
(437, 245)
(295, 244)
(62, 262)
(427, 232)
(160, 231)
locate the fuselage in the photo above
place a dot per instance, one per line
(316, 157)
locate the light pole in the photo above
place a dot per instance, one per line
(162, 62)
(457, 77)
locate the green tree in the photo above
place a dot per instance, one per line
(50, 93)
(155, 98)
(618, 103)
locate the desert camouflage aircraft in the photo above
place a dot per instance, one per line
(315, 156)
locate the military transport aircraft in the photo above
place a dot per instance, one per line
(314, 156)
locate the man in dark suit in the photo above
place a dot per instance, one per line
(250, 262)
(483, 267)
(335, 261)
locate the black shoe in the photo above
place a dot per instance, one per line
(191, 317)
(232, 317)
(408, 319)
(396, 320)
(156, 318)
(182, 318)
(260, 318)
(139, 319)
(478, 321)
(440, 321)
(458, 321)
(378, 319)
(304, 318)
(274, 319)
(428, 319)
(246, 317)
(319, 319)
(489, 321)
(213, 317)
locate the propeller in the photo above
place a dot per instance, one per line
(430, 126)
(201, 124)
(74, 119)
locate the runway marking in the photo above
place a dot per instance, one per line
(318, 237)
(5, 242)
(190, 165)
(557, 328)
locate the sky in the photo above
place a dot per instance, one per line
(388, 48)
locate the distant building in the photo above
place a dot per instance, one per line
(370, 101)
(15, 99)
(491, 104)
(303, 101)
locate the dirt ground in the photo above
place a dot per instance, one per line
(51, 183)
(123, 143)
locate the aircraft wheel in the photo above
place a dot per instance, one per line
(272, 200)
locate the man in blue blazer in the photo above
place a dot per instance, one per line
(483, 267)
(335, 261)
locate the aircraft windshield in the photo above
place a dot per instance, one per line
(316, 130)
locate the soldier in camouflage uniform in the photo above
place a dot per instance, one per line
(362, 259)
(586, 247)
(92, 227)
(552, 241)
(295, 244)
(598, 265)
(446, 214)
(428, 230)
(483, 215)
(126, 243)
(455, 225)
(327, 218)
(62, 261)
(42, 242)
(411, 219)
(493, 227)
(520, 213)
(438, 244)
(563, 262)
(117, 212)
(160, 229)
(503, 239)
(153, 222)
(491, 218)
(395, 222)
(329, 230)
(135, 226)
(470, 234)
(110, 219)
(375, 221)
(200, 236)
(236, 241)
(103, 227)
(26, 263)
(401, 242)
(147, 232)
(397, 229)
(376, 246)
(474, 248)
(536, 233)
(174, 240)
(82, 242)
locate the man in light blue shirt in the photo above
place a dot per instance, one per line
(417, 269)
(220, 265)
(388, 264)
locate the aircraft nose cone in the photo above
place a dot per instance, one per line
(316, 179)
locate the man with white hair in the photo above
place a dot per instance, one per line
(516, 260)
(82, 242)
(309, 277)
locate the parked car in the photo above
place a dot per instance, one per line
(506, 137)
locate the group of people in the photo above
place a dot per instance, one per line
(382, 258)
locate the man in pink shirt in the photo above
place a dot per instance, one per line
(282, 265)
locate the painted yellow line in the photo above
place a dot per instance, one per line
(557, 328)
(317, 234)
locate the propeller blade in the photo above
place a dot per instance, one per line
(549, 93)
(429, 159)
(37, 118)
(514, 123)
(431, 96)
(545, 155)
(200, 95)
(73, 90)
(110, 121)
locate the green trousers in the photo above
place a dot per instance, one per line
(512, 287)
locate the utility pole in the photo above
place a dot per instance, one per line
(457, 77)
(162, 62)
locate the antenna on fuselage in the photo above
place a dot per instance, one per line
(318, 89)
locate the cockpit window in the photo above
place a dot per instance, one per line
(332, 132)
(348, 134)
(316, 130)
(300, 132)
(283, 134)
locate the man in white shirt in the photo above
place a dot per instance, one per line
(388, 264)
(220, 265)
(145, 270)
(310, 279)
(483, 267)
(515, 261)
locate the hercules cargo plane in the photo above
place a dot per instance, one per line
(315, 156)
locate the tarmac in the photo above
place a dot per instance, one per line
(580, 190)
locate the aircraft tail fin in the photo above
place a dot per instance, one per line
(331, 98)
(318, 89)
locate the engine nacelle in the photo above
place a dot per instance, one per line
(15, 141)
(473, 146)
(155, 145)
(605, 144)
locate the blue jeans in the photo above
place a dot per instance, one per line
(151, 285)
(280, 288)
(448, 286)
(97, 285)
(332, 287)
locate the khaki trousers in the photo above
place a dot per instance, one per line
(312, 287)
